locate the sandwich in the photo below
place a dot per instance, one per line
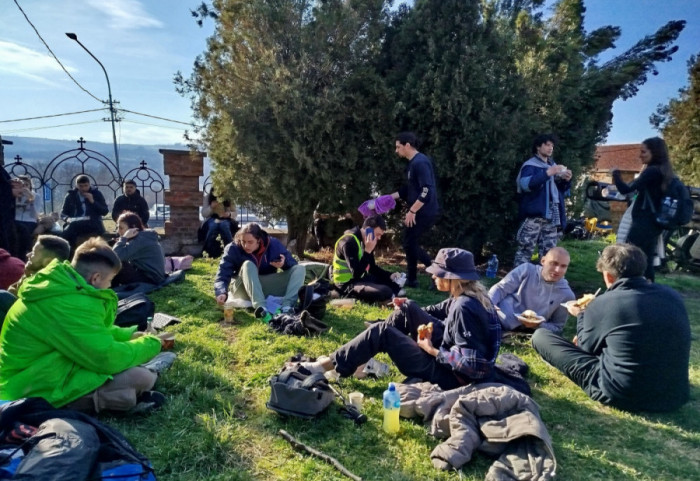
(584, 301)
(425, 331)
(530, 315)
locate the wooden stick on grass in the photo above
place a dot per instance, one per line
(299, 446)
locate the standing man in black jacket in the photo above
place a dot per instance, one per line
(420, 193)
(632, 347)
(85, 205)
(131, 201)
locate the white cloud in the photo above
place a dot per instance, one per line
(126, 14)
(28, 63)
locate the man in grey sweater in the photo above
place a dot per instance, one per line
(542, 289)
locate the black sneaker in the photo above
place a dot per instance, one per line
(263, 314)
(148, 401)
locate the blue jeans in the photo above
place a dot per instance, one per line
(216, 227)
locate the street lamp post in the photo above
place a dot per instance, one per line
(73, 36)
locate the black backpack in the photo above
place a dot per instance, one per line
(676, 207)
(135, 311)
(297, 392)
(313, 298)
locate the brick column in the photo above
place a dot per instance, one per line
(184, 168)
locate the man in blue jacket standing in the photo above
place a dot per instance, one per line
(420, 193)
(541, 184)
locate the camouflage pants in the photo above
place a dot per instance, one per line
(534, 231)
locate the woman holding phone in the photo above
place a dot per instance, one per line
(259, 266)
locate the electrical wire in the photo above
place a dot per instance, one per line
(54, 55)
(159, 118)
(50, 116)
(152, 125)
(29, 129)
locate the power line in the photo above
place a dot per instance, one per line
(29, 129)
(50, 116)
(152, 125)
(159, 118)
(54, 55)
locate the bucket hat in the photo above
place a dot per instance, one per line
(454, 263)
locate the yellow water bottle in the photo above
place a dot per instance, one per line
(392, 405)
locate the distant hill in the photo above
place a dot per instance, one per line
(41, 151)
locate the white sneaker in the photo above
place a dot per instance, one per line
(160, 362)
(241, 303)
(376, 368)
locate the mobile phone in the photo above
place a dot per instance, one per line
(369, 233)
(277, 259)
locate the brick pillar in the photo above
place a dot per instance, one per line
(184, 168)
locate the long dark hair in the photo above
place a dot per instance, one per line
(659, 158)
(253, 229)
(131, 220)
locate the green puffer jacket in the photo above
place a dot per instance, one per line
(59, 341)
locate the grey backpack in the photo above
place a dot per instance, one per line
(296, 392)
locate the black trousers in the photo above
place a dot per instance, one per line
(411, 246)
(372, 289)
(397, 337)
(575, 363)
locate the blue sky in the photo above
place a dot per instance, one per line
(143, 43)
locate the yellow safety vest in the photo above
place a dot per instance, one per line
(341, 271)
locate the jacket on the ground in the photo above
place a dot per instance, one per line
(72, 207)
(421, 185)
(524, 288)
(640, 333)
(145, 253)
(234, 257)
(132, 203)
(350, 250)
(492, 418)
(534, 186)
(59, 341)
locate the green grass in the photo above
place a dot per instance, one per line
(216, 426)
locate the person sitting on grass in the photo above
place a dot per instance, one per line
(632, 346)
(355, 273)
(47, 248)
(59, 341)
(541, 289)
(254, 260)
(140, 252)
(465, 328)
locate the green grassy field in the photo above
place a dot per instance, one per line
(216, 426)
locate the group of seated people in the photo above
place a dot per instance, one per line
(631, 350)
(59, 341)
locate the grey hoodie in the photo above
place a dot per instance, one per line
(524, 288)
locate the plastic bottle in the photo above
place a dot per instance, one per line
(149, 326)
(492, 267)
(392, 404)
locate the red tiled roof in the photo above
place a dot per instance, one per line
(624, 157)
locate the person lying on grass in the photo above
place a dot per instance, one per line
(466, 330)
(59, 341)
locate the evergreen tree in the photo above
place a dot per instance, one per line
(294, 110)
(679, 122)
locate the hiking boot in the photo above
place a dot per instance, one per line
(148, 401)
(160, 362)
(375, 368)
(263, 314)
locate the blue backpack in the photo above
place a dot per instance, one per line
(676, 207)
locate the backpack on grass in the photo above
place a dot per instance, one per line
(297, 392)
(313, 298)
(135, 311)
(676, 207)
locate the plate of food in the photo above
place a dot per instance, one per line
(581, 303)
(530, 317)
